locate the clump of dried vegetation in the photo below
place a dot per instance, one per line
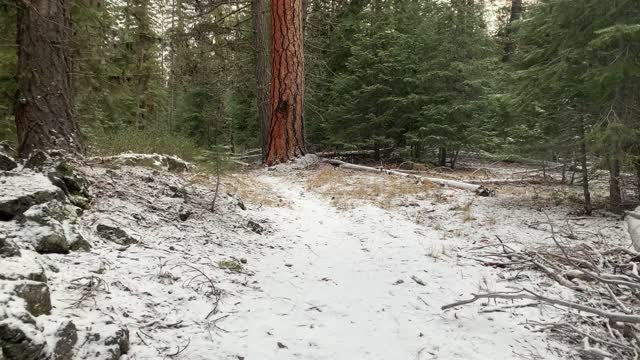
(252, 191)
(347, 189)
(601, 306)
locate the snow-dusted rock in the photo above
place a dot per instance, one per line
(105, 342)
(7, 162)
(25, 267)
(112, 232)
(35, 295)
(38, 161)
(53, 210)
(165, 162)
(20, 340)
(74, 184)
(47, 239)
(20, 191)
(7, 247)
(67, 335)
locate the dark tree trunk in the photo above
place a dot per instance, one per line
(516, 14)
(286, 124)
(44, 114)
(615, 195)
(259, 11)
(585, 171)
(454, 159)
(637, 167)
(442, 156)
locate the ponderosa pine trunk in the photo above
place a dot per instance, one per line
(44, 114)
(259, 11)
(286, 124)
(615, 193)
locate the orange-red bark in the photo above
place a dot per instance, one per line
(286, 123)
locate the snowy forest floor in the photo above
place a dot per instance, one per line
(315, 263)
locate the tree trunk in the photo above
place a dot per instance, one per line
(442, 156)
(259, 11)
(637, 167)
(516, 14)
(585, 171)
(44, 114)
(615, 195)
(286, 127)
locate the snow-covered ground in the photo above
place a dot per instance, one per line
(342, 288)
(291, 267)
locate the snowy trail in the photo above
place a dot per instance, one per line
(333, 292)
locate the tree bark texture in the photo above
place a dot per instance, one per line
(260, 11)
(44, 114)
(286, 124)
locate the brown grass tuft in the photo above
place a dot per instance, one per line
(346, 188)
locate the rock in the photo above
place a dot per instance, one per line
(119, 342)
(175, 164)
(7, 149)
(19, 192)
(67, 335)
(56, 210)
(36, 296)
(20, 341)
(115, 234)
(110, 343)
(256, 227)
(7, 247)
(48, 239)
(241, 204)
(77, 242)
(165, 162)
(184, 213)
(24, 267)
(7, 162)
(38, 161)
(178, 191)
(74, 184)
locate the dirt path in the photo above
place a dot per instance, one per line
(342, 288)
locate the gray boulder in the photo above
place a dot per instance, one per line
(7, 162)
(36, 296)
(48, 239)
(114, 233)
(17, 343)
(19, 192)
(24, 267)
(56, 210)
(67, 335)
(109, 344)
(7, 247)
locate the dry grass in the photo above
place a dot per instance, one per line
(346, 189)
(252, 191)
(247, 187)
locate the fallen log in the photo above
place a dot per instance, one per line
(504, 181)
(478, 189)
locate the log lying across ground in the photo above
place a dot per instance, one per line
(478, 189)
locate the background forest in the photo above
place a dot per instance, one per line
(421, 80)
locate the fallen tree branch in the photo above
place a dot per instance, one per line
(478, 189)
(530, 295)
